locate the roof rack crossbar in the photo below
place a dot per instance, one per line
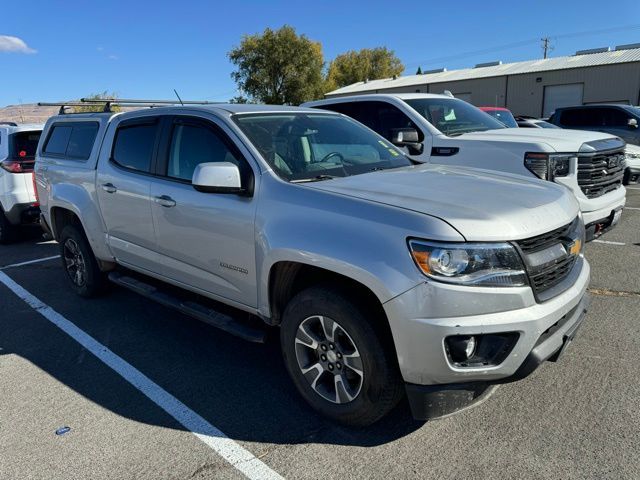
(137, 100)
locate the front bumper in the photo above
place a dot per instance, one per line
(424, 316)
(598, 213)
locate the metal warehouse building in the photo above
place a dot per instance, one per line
(535, 87)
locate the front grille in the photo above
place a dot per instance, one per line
(600, 173)
(547, 276)
(540, 242)
(552, 275)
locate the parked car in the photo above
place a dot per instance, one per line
(533, 122)
(445, 130)
(619, 120)
(383, 276)
(18, 203)
(632, 170)
(503, 115)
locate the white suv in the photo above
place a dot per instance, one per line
(18, 202)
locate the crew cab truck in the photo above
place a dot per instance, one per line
(446, 130)
(18, 203)
(384, 277)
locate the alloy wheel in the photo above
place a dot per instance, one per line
(329, 359)
(74, 262)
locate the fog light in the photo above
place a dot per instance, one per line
(461, 347)
(480, 350)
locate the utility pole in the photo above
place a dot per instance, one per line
(546, 46)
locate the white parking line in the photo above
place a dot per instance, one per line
(29, 262)
(239, 457)
(609, 243)
(631, 208)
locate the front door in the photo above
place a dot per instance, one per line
(205, 240)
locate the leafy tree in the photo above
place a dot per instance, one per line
(278, 67)
(239, 99)
(366, 64)
(98, 107)
(419, 71)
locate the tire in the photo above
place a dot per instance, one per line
(7, 231)
(361, 399)
(79, 263)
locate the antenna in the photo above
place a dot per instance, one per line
(176, 92)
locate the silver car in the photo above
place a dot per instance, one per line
(383, 276)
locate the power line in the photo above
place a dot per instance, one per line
(530, 41)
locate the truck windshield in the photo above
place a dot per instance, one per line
(504, 116)
(454, 117)
(311, 147)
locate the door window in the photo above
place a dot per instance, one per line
(614, 117)
(193, 144)
(134, 145)
(581, 117)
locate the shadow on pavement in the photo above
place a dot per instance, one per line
(241, 388)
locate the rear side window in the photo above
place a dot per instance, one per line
(582, 117)
(134, 145)
(71, 140)
(24, 145)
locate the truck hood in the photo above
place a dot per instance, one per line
(558, 140)
(480, 204)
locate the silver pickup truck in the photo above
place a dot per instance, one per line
(384, 277)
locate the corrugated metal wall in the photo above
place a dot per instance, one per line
(523, 94)
(609, 83)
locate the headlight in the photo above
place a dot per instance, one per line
(548, 166)
(483, 264)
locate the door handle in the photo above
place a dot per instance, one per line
(165, 201)
(109, 187)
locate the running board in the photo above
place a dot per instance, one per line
(235, 326)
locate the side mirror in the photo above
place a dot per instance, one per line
(407, 137)
(217, 177)
(632, 123)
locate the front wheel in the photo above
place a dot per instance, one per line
(336, 359)
(79, 263)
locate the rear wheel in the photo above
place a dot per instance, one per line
(79, 263)
(7, 231)
(337, 360)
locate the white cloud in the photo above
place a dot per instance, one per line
(113, 57)
(14, 45)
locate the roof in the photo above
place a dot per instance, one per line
(21, 127)
(374, 96)
(530, 66)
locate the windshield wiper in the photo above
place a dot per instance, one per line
(317, 178)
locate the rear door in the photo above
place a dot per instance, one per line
(206, 241)
(123, 188)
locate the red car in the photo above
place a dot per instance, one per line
(501, 114)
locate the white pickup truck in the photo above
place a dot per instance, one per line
(442, 129)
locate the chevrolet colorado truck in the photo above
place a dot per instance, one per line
(446, 130)
(18, 203)
(384, 277)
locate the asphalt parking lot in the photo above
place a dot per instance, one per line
(149, 393)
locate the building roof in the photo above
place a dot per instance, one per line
(530, 66)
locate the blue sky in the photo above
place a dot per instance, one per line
(144, 48)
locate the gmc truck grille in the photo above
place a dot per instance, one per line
(600, 173)
(547, 276)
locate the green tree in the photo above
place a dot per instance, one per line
(278, 67)
(98, 107)
(358, 66)
(419, 71)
